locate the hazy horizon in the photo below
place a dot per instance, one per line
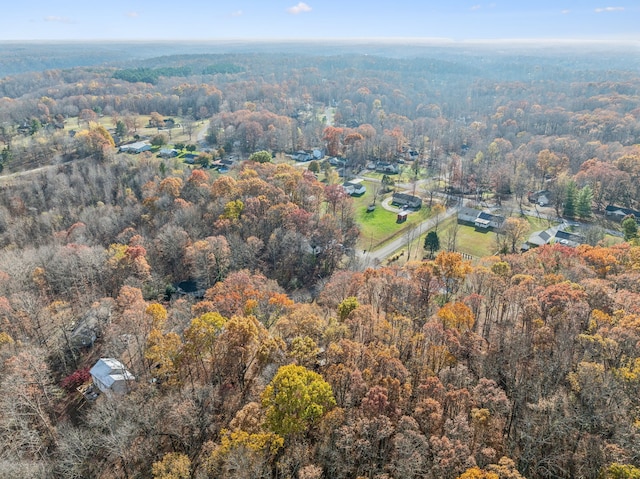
(457, 22)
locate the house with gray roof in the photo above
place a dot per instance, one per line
(619, 213)
(467, 215)
(480, 219)
(111, 376)
(355, 187)
(135, 148)
(555, 234)
(487, 220)
(406, 200)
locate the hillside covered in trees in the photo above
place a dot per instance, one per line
(260, 346)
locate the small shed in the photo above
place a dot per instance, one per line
(110, 376)
(402, 217)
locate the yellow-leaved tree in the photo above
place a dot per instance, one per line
(172, 466)
(296, 399)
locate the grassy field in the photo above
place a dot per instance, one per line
(175, 135)
(468, 239)
(379, 226)
(471, 241)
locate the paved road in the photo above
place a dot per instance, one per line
(202, 132)
(373, 259)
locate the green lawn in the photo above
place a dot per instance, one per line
(379, 226)
(473, 242)
(538, 224)
(610, 240)
(468, 239)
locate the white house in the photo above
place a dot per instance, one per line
(555, 234)
(480, 219)
(355, 187)
(135, 148)
(110, 375)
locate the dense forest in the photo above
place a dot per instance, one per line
(260, 344)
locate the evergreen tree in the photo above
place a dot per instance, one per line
(314, 167)
(121, 129)
(5, 157)
(432, 242)
(629, 228)
(570, 200)
(35, 126)
(584, 200)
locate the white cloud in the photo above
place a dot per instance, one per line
(57, 19)
(132, 14)
(565, 12)
(477, 6)
(609, 9)
(237, 13)
(299, 8)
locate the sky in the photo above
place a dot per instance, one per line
(444, 20)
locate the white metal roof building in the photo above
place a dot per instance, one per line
(110, 375)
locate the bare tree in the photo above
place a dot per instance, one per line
(451, 237)
(188, 126)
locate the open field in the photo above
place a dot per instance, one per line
(468, 239)
(471, 241)
(379, 226)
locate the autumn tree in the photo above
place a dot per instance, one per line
(333, 138)
(295, 400)
(477, 473)
(260, 156)
(511, 234)
(88, 116)
(346, 307)
(95, 141)
(620, 471)
(209, 260)
(451, 269)
(172, 466)
(242, 350)
(201, 337)
(159, 140)
(456, 316)
(550, 164)
(163, 354)
(243, 454)
(156, 120)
